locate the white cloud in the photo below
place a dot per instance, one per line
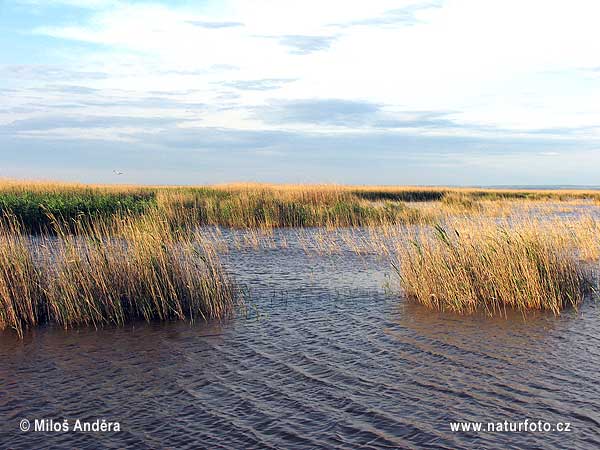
(91, 4)
(509, 65)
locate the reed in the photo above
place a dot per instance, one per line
(262, 205)
(259, 208)
(460, 201)
(111, 254)
(108, 273)
(33, 203)
(482, 265)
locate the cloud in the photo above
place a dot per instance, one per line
(55, 122)
(351, 113)
(214, 25)
(166, 136)
(560, 131)
(228, 96)
(214, 138)
(89, 4)
(304, 44)
(593, 70)
(68, 89)
(74, 96)
(405, 16)
(378, 143)
(214, 154)
(48, 73)
(265, 84)
(149, 102)
(417, 119)
(318, 112)
(372, 85)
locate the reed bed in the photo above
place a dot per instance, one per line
(265, 205)
(269, 209)
(484, 265)
(34, 203)
(109, 254)
(130, 269)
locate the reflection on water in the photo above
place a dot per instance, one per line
(331, 361)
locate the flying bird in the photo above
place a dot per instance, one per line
(117, 172)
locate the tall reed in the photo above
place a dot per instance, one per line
(481, 265)
(108, 273)
(261, 205)
(267, 208)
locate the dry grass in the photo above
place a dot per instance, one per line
(266, 205)
(415, 193)
(109, 254)
(461, 202)
(255, 207)
(108, 274)
(482, 265)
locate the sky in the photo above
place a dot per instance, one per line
(448, 92)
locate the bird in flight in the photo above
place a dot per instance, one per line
(117, 172)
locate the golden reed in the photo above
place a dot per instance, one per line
(108, 273)
(485, 265)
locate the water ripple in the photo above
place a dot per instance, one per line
(330, 361)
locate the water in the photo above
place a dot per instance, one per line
(325, 357)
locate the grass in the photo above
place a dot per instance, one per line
(267, 208)
(257, 205)
(93, 255)
(481, 265)
(35, 203)
(133, 269)
(460, 201)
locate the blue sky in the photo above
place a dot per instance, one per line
(458, 92)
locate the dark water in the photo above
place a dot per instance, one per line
(324, 358)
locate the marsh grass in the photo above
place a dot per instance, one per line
(108, 274)
(267, 208)
(461, 202)
(109, 254)
(481, 265)
(35, 203)
(260, 205)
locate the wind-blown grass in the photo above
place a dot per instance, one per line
(485, 266)
(257, 205)
(136, 269)
(35, 203)
(104, 265)
(264, 208)
(460, 201)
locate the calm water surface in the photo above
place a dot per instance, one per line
(325, 357)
